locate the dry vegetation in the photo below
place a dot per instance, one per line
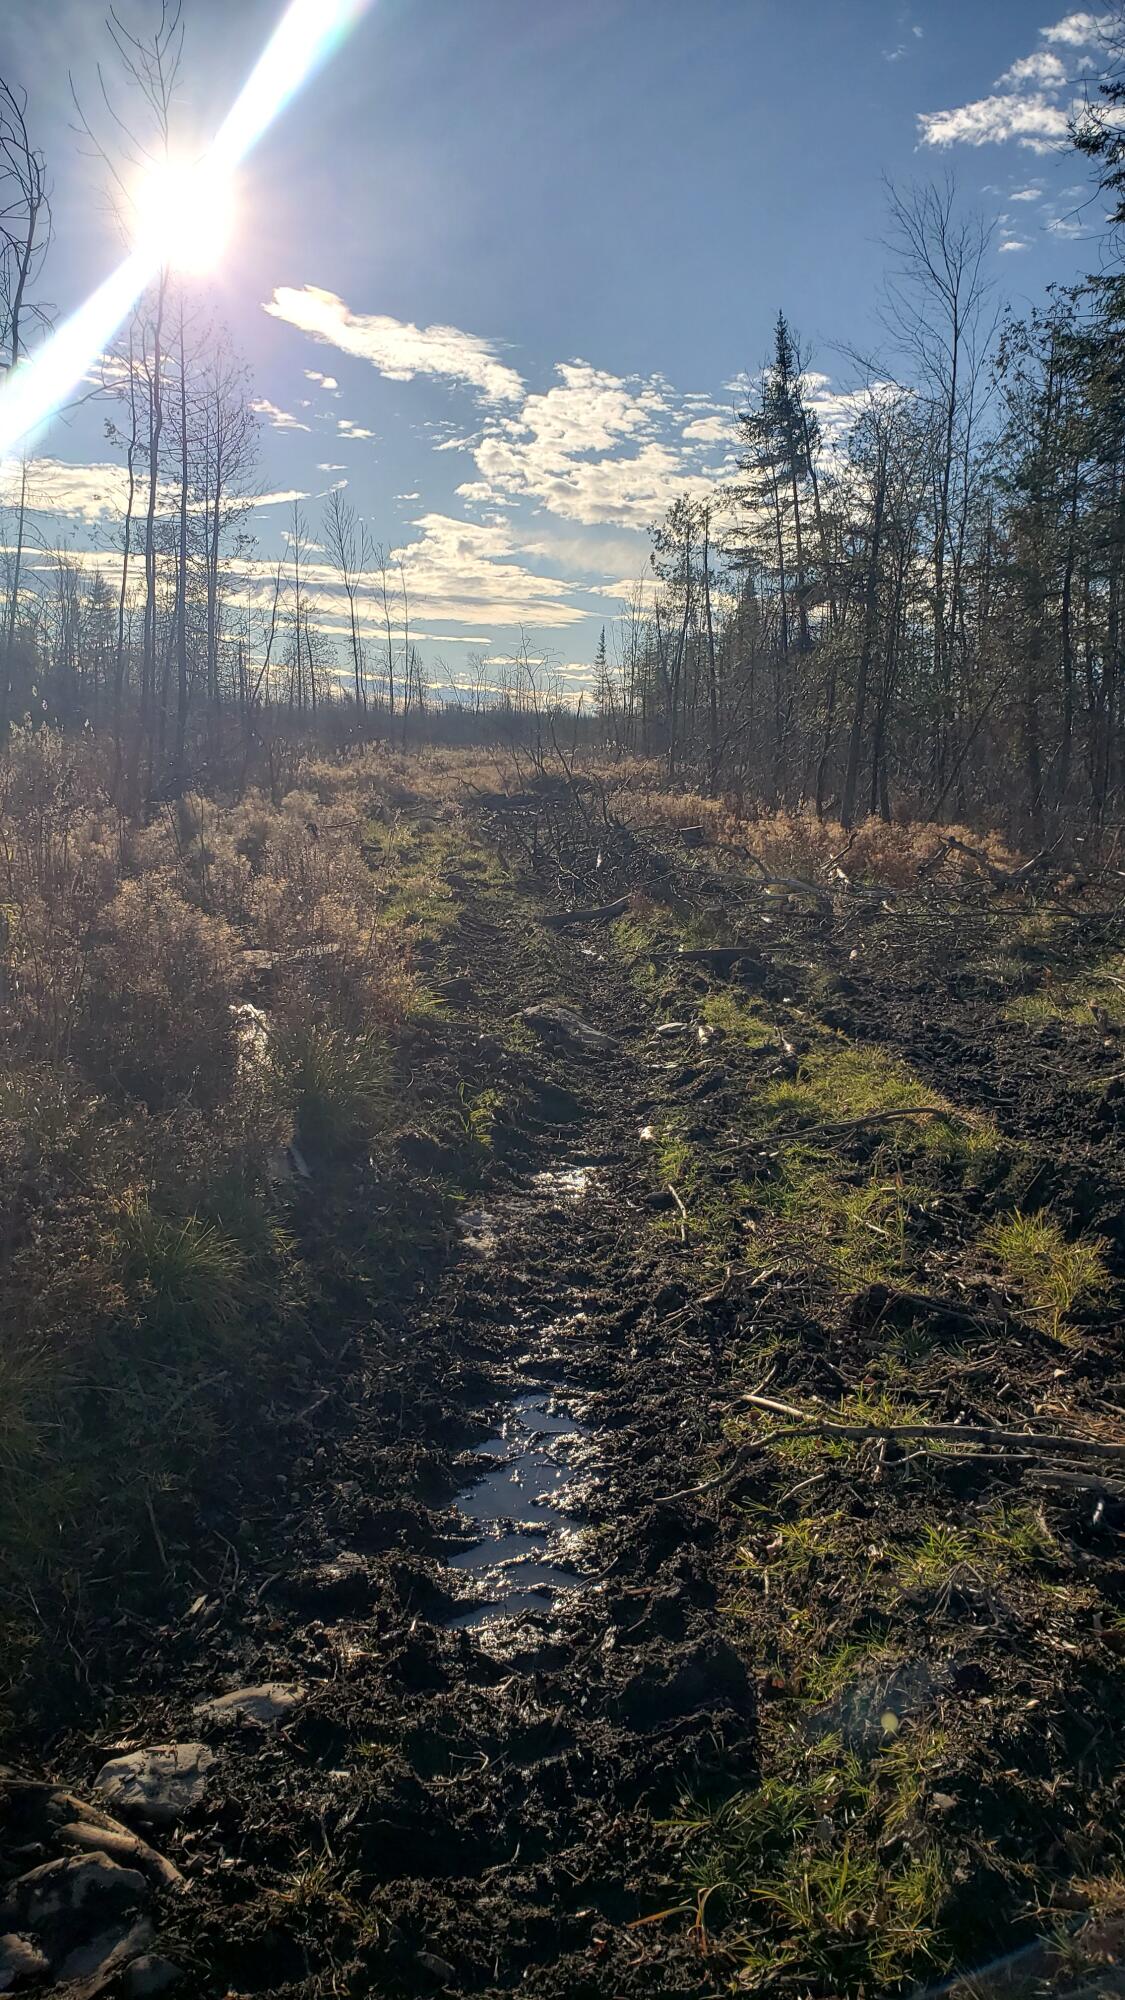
(199, 1017)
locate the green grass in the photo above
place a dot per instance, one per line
(1073, 1000)
(188, 1278)
(339, 1084)
(1053, 1274)
(1007, 1538)
(790, 1878)
(840, 1081)
(743, 1020)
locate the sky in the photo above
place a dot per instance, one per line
(505, 266)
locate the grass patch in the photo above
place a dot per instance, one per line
(1053, 1274)
(789, 1878)
(841, 1081)
(743, 1020)
(339, 1084)
(1074, 1000)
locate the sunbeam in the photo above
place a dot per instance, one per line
(184, 215)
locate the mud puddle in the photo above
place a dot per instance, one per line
(525, 1555)
(483, 1229)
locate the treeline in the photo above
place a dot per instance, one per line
(909, 601)
(922, 611)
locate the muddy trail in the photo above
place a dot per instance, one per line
(543, 1675)
(483, 1661)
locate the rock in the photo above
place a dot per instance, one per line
(148, 1975)
(121, 1845)
(266, 1705)
(438, 1968)
(20, 1959)
(80, 1893)
(160, 1784)
(86, 1915)
(562, 1024)
(459, 991)
(93, 1963)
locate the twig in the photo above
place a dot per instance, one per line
(683, 1212)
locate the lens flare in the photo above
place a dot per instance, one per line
(183, 214)
(182, 229)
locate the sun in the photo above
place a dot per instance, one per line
(184, 214)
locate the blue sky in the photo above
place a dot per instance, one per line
(533, 243)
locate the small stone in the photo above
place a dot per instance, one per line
(562, 1024)
(266, 1705)
(160, 1784)
(438, 1968)
(150, 1974)
(20, 1959)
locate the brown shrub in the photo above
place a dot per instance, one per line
(156, 1024)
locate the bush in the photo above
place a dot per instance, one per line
(157, 1025)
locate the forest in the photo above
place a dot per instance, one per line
(562, 1243)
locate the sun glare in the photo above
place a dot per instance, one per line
(184, 214)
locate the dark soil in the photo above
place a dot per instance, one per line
(486, 1809)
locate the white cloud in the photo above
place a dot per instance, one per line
(589, 449)
(328, 382)
(1078, 31)
(1024, 104)
(1033, 121)
(346, 428)
(1040, 68)
(1012, 243)
(97, 492)
(331, 468)
(86, 493)
(397, 348)
(1026, 194)
(468, 573)
(281, 499)
(710, 430)
(278, 420)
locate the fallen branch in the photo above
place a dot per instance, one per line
(1028, 1444)
(562, 920)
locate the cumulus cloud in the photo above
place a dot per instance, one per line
(591, 449)
(278, 420)
(397, 348)
(347, 428)
(1078, 31)
(1012, 243)
(710, 430)
(1040, 68)
(95, 493)
(328, 382)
